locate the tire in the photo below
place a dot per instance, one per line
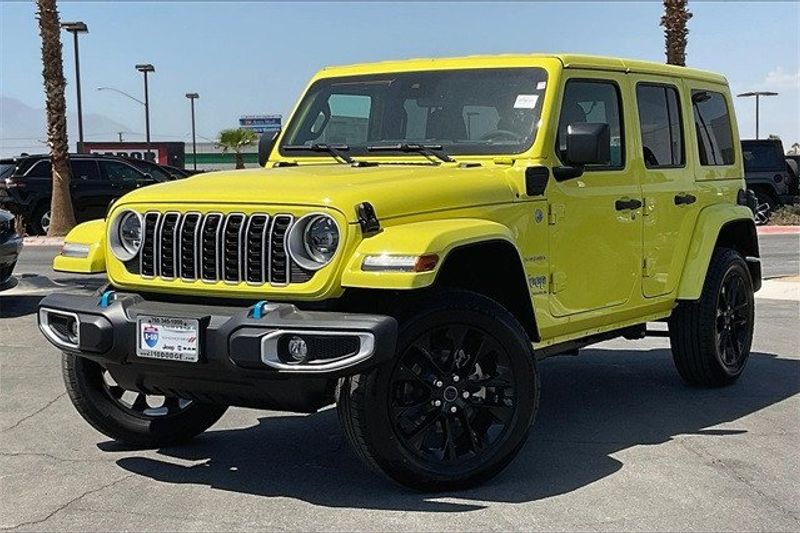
(765, 205)
(711, 337)
(137, 425)
(494, 387)
(40, 222)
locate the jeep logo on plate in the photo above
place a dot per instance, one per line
(150, 334)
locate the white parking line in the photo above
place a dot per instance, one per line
(780, 289)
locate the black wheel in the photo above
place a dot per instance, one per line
(131, 417)
(765, 205)
(711, 337)
(40, 222)
(454, 407)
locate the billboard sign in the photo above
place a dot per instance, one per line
(163, 153)
(261, 123)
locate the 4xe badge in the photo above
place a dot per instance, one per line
(150, 334)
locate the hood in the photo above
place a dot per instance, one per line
(394, 190)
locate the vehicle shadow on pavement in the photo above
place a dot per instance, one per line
(592, 407)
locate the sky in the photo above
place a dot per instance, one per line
(257, 57)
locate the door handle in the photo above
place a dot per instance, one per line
(685, 199)
(624, 204)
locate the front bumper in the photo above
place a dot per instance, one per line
(239, 363)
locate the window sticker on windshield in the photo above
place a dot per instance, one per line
(541, 85)
(526, 101)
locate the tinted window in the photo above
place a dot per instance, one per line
(713, 126)
(660, 122)
(40, 169)
(84, 170)
(113, 170)
(762, 156)
(593, 102)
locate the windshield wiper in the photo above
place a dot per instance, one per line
(337, 151)
(428, 150)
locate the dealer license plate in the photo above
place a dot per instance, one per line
(173, 339)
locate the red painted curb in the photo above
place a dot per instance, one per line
(778, 230)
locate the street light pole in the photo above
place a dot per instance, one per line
(75, 28)
(192, 97)
(145, 69)
(758, 95)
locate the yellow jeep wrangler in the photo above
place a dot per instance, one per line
(420, 234)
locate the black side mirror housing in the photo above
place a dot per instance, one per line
(265, 145)
(588, 143)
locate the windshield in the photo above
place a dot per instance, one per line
(465, 112)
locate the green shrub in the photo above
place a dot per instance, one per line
(788, 215)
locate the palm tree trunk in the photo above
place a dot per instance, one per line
(62, 217)
(676, 15)
(239, 160)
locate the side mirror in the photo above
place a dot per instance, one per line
(588, 143)
(265, 145)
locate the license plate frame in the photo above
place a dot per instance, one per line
(168, 338)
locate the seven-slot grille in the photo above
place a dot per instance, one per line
(234, 248)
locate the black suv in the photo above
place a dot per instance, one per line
(769, 175)
(97, 180)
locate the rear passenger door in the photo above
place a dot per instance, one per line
(595, 224)
(668, 186)
(87, 190)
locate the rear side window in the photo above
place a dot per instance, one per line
(40, 169)
(712, 123)
(115, 171)
(762, 157)
(660, 123)
(84, 170)
(593, 102)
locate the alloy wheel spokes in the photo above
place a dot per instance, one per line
(142, 404)
(732, 318)
(452, 394)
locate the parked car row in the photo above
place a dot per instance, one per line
(97, 180)
(770, 175)
(10, 246)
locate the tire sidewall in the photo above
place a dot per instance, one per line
(392, 455)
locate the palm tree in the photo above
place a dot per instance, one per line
(676, 15)
(236, 139)
(62, 217)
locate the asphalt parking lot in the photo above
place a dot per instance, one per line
(619, 443)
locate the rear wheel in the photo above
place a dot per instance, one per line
(454, 407)
(711, 337)
(132, 417)
(41, 220)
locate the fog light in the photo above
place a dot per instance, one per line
(62, 328)
(298, 349)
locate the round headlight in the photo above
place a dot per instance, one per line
(313, 241)
(126, 235)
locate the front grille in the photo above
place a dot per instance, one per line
(234, 248)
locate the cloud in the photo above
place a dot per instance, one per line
(781, 79)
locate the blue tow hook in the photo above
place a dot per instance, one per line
(257, 311)
(106, 299)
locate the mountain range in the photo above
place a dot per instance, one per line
(22, 128)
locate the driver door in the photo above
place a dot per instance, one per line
(595, 226)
